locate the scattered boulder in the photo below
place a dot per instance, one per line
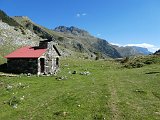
(140, 91)
(21, 86)
(61, 113)
(85, 73)
(69, 72)
(62, 78)
(22, 98)
(74, 72)
(28, 74)
(78, 105)
(15, 106)
(9, 87)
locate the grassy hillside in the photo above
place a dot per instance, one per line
(5, 18)
(99, 90)
(140, 61)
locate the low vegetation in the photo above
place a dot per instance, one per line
(84, 89)
(140, 61)
(5, 18)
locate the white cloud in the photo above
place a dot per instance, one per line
(78, 15)
(116, 44)
(98, 34)
(150, 47)
(84, 14)
(81, 14)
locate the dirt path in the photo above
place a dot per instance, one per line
(113, 102)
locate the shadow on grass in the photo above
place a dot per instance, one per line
(7, 72)
(3, 68)
(152, 72)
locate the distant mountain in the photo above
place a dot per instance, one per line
(131, 51)
(157, 52)
(142, 50)
(72, 30)
(88, 42)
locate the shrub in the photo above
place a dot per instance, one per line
(13, 101)
(60, 38)
(125, 60)
(149, 62)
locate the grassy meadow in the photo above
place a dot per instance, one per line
(99, 90)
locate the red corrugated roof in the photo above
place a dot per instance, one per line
(26, 52)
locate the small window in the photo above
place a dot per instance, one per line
(57, 61)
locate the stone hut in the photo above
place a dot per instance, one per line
(42, 59)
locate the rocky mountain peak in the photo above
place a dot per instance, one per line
(23, 17)
(72, 30)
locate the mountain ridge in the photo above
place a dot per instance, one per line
(157, 52)
(126, 51)
(72, 30)
(70, 39)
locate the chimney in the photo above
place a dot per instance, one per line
(44, 44)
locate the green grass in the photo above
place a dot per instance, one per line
(110, 92)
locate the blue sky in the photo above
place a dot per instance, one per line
(122, 22)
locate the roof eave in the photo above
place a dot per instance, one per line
(21, 57)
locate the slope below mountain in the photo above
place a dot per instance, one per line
(12, 37)
(71, 38)
(37, 29)
(87, 42)
(5, 18)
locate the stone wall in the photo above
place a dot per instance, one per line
(50, 59)
(21, 65)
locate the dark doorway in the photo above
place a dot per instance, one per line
(57, 62)
(42, 64)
